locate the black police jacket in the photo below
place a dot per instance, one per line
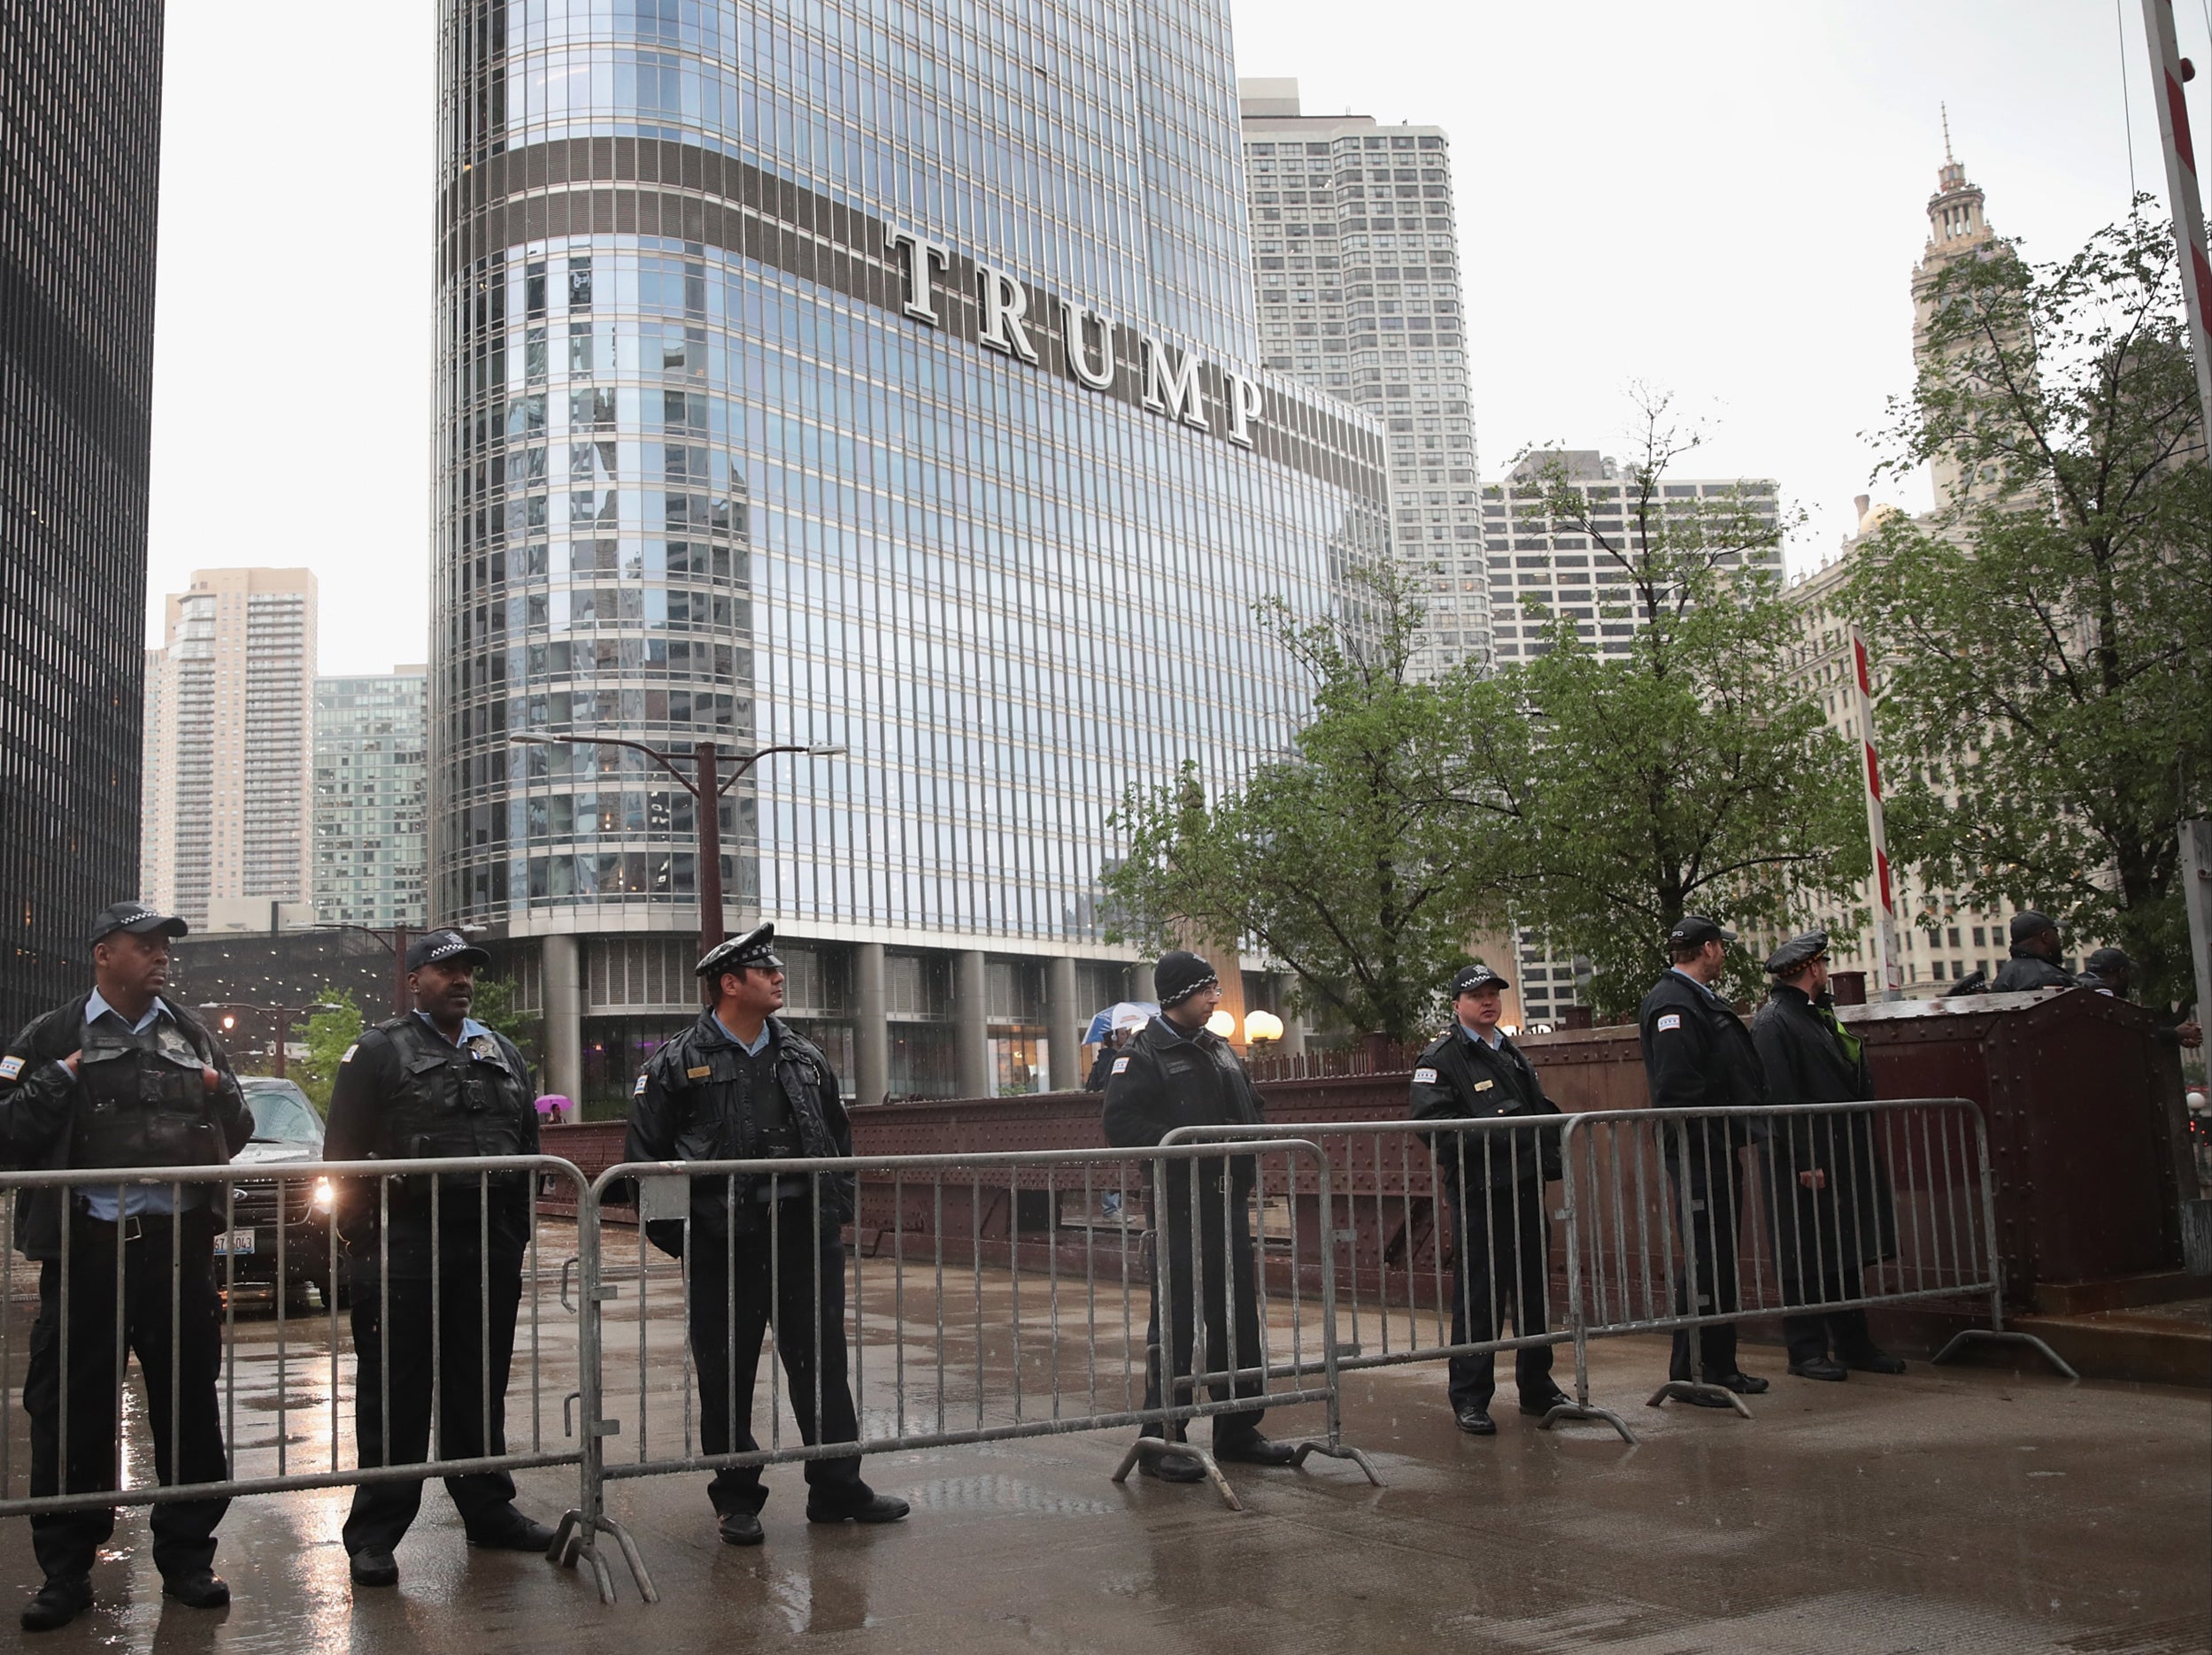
(688, 1106)
(1164, 1079)
(404, 1092)
(44, 1110)
(1852, 1218)
(2026, 970)
(1461, 1079)
(1697, 1054)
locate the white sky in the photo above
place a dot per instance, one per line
(1723, 200)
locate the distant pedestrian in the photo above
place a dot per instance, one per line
(1493, 1181)
(2110, 971)
(1828, 1195)
(1178, 1072)
(1698, 1055)
(2037, 950)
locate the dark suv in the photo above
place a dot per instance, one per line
(286, 1128)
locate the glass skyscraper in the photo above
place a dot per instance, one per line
(868, 374)
(81, 111)
(369, 788)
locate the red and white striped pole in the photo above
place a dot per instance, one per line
(1888, 956)
(2168, 70)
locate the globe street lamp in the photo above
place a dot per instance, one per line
(706, 785)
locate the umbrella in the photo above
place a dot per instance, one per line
(1126, 1013)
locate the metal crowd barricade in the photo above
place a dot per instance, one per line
(1399, 1241)
(1030, 1323)
(1682, 1219)
(284, 1384)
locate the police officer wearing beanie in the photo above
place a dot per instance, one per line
(1174, 1072)
(1828, 1194)
(2037, 949)
(741, 1084)
(121, 1077)
(1697, 1054)
(432, 1084)
(1501, 1239)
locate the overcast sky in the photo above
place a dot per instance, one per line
(1724, 201)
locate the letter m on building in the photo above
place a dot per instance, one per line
(1172, 391)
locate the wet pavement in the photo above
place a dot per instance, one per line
(1960, 1509)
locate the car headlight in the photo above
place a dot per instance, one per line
(326, 1198)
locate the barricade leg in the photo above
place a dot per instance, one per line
(575, 1539)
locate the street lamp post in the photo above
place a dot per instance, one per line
(707, 785)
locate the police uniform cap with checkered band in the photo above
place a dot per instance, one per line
(1799, 953)
(442, 948)
(757, 948)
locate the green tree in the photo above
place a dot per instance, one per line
(2044, 633)
(1354, 859)
(330, 1035)
(1682, 771)
(495, 1008)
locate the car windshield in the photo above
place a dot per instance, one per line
(283, 1113)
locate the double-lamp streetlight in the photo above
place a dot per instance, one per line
(706, 785)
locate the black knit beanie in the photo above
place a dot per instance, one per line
(1179, 975)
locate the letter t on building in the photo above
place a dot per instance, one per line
(920, 260)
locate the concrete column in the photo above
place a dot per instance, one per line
(563, 1019)
(871, 1030)
(1064, 1020)
(971, 1024)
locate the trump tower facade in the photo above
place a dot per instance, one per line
(862, 374)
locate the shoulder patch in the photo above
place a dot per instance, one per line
(638, 1090)
(1673, 1020)
(350, 1050)
(1424, 1077)
(10, 1067)
(698, 1071)
(1120, 1064)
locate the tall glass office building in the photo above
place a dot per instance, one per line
(860, 373)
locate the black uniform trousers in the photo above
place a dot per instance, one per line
(1501, 1265)
(475, 1350)
(1228, 1272)
(66, 1542)
(1708, 1179)
(799, 1285)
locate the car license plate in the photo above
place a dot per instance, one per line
(234, 1241)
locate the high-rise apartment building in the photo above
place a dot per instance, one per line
(371, 786)
(1356, 258)
(81, 109)
(232, 704)
(1541, 569)
(909, 402)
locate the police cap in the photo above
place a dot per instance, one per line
(757, 947)
(1475, 978)
(137, 917)
(1694, 930)
(441, 948)
(1799, 953)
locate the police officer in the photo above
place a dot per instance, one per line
(1174, 1072)
(2036, 951)
(434, 1083)
(1501, 1238)
(122, 1078)
(1698, 1055)
(741, 1084)
(2109, 970)
(1829, 1194)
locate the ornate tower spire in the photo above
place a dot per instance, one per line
(1956, 229)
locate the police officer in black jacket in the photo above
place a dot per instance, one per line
(2037, 950)
(741, 1084)
(434, 1083)
(1698, 1055)
(1828, 1195)
(1501, 1238)
(1176, 1072)
(122, 1077)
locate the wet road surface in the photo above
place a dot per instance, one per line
(1961, 1509)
